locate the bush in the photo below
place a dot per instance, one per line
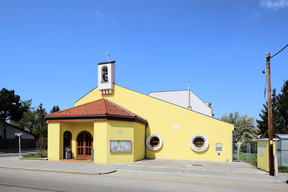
(34, 155)
(41, 146)
(282, 169)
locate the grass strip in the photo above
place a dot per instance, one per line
(34, 155)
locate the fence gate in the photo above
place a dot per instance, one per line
(245, 152)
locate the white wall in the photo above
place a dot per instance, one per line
(181, 98)
(11, 130)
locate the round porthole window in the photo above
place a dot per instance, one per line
(199, 142)
(154, 142)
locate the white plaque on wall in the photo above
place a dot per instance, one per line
(176, 126)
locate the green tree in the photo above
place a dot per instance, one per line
(263, 123)
(282, 109)
(55, 108)
(33, 120)
(244, 126)
(28, 121)
(10, 107)
(279, 113)
(231, 118)
(41, 126)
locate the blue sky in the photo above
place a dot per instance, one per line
(49, 50)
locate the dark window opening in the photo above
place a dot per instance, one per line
(67, 142)
(198, 142)
(154, 141)
(104, 74)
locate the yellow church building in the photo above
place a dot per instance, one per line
(117, 124)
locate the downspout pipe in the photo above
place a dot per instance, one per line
(145, 155)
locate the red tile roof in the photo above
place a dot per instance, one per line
(101, 107)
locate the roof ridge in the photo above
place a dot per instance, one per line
(104, 106)
(121, 108)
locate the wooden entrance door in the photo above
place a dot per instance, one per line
(84, 145)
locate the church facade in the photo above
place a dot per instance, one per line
(116, 124)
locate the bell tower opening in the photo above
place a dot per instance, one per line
(104, 74)
(106, 77)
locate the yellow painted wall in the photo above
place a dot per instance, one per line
(56, 137)
(162, 116)
(100, 143)
(66, 126)
(263, 161)
(105, 131)
(139, 141)
(128, 134)
(54, 141)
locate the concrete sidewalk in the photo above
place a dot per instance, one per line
(201, 170)
(240, 171)
(13, 162)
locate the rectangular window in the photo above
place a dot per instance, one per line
(260, 148)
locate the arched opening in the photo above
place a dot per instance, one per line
(67, 137)
(84, 145)
(104, 74)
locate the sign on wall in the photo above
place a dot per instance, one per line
(218, 146)
(120, 146)
(176, 126)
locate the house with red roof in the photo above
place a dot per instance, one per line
(113, 124)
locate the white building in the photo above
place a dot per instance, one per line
(11, 130)
(186, 99)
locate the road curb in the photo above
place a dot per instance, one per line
(56, 171)
(283, 174)
(33, 158)
(280, 174)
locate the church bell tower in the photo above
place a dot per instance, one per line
(106, 77)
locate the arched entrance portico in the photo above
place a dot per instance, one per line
(84, 145)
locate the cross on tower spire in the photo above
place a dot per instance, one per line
(108, 55)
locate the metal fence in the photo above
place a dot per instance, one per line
(14, 143)
(245, 152)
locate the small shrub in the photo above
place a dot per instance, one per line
(41, 146)
(34, 155)
(282, 169)
(67, 149)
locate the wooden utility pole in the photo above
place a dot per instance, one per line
(270, 125)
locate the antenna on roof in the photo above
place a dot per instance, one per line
(108, 55)
(189, 106)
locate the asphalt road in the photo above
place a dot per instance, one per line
(23, 180)
(13, 154)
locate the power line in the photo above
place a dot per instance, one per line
(279, 51)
